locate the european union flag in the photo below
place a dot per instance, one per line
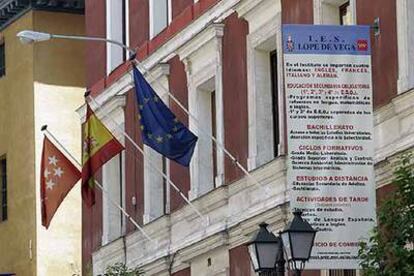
(160, 129)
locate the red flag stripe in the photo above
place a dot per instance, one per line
(111, 148)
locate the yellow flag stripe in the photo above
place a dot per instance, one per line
(96, 134)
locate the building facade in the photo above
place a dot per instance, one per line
(37, 88)
(222, 60)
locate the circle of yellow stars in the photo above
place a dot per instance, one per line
(157, 138)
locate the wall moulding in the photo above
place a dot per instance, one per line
(394, 126)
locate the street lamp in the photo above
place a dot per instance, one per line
(29, 37)
(298, 237)
(264, 249)
(267, 251)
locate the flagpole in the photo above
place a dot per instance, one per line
(218, 144)
(126, 135)
(104, 191)
(30, 37)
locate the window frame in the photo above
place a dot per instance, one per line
(168, 18)
(3, 189)
(124, 28)
(114, 26)
(2, 58)
(274, 70)
(342, 272)
(156, 187)
(165, 186)
(213, 113)
(111, 228)
(203, 177)
(261, 42)
(405, 38)
(204, 75)
(343, 10)
(324, 15)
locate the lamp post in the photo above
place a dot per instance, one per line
(29, 37)
(280, 259)
(267, 251)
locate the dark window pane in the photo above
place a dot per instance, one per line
(345, 272)
(3, 197)
(121, 195)
(275, 102)
(213, 132)
(2, 60)
(124, 28)
(345, 16)
(164, 184)
(349, 272)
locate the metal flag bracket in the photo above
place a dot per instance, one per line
(376, 26)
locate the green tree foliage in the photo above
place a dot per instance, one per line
(120, 269)
(389, 251)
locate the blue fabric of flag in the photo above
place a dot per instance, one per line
(160, 128)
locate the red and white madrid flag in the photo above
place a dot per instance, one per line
(57, 177)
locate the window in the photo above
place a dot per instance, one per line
(116, 29)
(165, 186)
(345, 272)
(264, 106)
(275, 103)
(405, 34)
(3, 189)
(113, 182)
(206, 168)
(205, 102)
(160, 16)
(334, 12)
(345, 14)
(213, 132)
(265, 84)
(156, 187)
(207, 155)
(2, 60)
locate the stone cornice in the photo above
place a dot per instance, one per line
(161, 70)
(257, 12)
(212, 32)
(394, 126)
(106, 108)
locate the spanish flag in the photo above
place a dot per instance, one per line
(98, 147)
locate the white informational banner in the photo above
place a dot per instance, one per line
(330, 137)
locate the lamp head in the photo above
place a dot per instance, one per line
(29, 37)
(263, 249)
(298, 238)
